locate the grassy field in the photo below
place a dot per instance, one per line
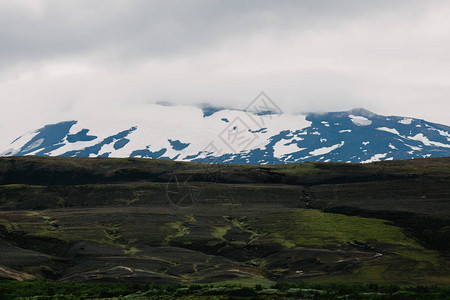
(312, 228)
(279, 244)
(112, 220)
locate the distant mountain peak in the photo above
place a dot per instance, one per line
(225, 135)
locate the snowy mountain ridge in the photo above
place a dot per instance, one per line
(189, 133)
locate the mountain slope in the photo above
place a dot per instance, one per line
(188, 133)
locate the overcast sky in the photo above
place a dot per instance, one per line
(60, 59)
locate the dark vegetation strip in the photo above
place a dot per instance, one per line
(52, 290)
(76, 171)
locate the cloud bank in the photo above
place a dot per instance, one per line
(60, 59)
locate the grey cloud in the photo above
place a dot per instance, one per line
(60, 59)
(133, 30)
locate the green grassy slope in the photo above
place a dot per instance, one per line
(90, 220)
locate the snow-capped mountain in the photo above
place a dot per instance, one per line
(189, 133)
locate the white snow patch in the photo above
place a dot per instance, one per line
(421, 138)
(345, 130)
(392, 146)
(8, 152)
(406, 121)
(376, 157)
(444, 133)
(304, 157)
(34, 145)
(34, 152)
(19, 143)
(414, 148)
(280, 149)
(289, 136)
(390, 130)
(360, 120)
(325, 150)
